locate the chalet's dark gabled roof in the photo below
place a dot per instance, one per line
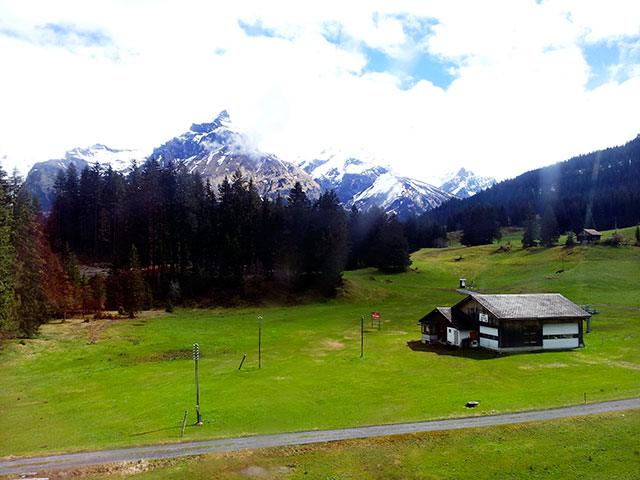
(539, 305)
(592, 232)
(431, 316)
(456, 319)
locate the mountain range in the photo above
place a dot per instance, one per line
(216, 150)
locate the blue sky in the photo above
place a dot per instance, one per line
(499, 87)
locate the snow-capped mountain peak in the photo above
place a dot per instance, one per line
(464, 183)
(216, 151)
(366, 181)
(105, 156)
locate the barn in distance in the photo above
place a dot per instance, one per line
(507, 323)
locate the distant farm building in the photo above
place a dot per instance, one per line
(589, 235)
(507, 323)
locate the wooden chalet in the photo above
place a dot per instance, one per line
(589, 235)
(507, 323)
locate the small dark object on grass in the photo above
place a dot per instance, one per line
(387, 281)
(372, 278)
(472, 404)
(559, 271)
(460, 258)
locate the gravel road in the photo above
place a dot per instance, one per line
(33, 464)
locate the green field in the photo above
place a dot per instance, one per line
(61, 392)
(595, 447)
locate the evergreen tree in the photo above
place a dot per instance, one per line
(31, 300)
(480, 226)
(638, 234)
(549, 229)
(588, 219)
(7, 261)
(530, 228)
(571, 240)
(329, 239)
(134, 288)
(393, 247)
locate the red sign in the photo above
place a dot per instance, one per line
(375, 315)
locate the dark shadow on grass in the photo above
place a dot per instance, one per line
(472, 353)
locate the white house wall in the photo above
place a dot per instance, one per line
(565, 336)
(560, 329)
(488, 342)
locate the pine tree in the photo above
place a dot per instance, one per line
(134, 288)
(530, 228)
(7, 261)
(329, 241)
(549, 229)
(394, 248)
(31, 301)
(638, 234)
(571, 240)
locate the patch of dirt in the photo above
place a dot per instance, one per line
(118, 470)
(97, 329)
(332, 344)
(166, 356)
(623, 364)
(543, 365)
(261, 472)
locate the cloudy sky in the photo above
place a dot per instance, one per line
(499, 87)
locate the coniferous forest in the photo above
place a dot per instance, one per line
(163, 235)
(598, 190)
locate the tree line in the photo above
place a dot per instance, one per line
(192, 238)
(167, 235)
(598, 190)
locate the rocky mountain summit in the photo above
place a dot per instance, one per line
(365, 182)
(464, 183)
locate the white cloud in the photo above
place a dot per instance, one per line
(519, 99)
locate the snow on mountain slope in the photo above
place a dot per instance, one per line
(119, 160)
(465, 183)
(216, 151)
(42, 175)
(368, 182)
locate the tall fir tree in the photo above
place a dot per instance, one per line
(530, 228)
(134, 287)
(31, 300)
(549, 229)
(7, 261)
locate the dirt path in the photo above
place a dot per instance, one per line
(18, 466)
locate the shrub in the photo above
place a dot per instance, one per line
(613, 241)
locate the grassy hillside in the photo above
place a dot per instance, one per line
(107, 383)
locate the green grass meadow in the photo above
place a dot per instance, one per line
(60, 392)
(595, 447)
